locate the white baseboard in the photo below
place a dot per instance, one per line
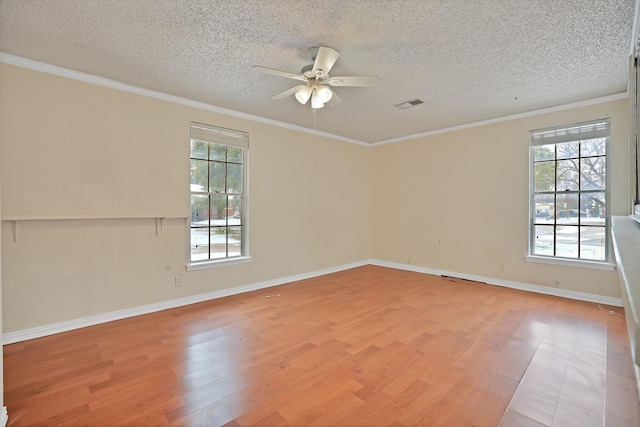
(55, 328)
(4, 416)
(564, 293)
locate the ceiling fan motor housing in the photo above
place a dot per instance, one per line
(310, 73)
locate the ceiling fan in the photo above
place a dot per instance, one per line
(317, 80)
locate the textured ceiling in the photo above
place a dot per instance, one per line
(468, 60)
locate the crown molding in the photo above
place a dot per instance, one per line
(17, 61)
(30, 64)
(594, 101)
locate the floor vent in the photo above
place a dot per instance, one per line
(461, 280)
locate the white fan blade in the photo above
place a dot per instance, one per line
(363, 81)
(287, 92)
(279, 73)
(335, 100)
(325, 58)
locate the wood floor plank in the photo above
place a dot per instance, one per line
(369, 346)
(513, 419)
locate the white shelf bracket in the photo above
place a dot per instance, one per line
(16, 230)
(159, 226)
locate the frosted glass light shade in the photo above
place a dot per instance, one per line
(304, 94)
(324, 93)
(316, 102)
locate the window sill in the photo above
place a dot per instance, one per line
(193, 266)
(570, 262)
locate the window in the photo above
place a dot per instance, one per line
(569, 200)
(218, 196)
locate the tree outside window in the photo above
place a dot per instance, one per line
(569, 192)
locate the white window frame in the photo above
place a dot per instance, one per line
(230, 138)
(557, 135)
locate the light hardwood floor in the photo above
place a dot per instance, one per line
(369, 346)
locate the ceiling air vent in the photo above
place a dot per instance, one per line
(409, 104)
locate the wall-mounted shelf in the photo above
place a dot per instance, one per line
(17, 219)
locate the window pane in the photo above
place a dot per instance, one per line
(199, 149)
(234, 154)
(569, 192)
(199, 209)
(567, 241)
(567, 175)
(217, 174)
(567, 208)
(543, 240)
(235, 210)
(218, 209)
(218, 242)
(199, 175)
(568, 150)
(235, 241)
(234, 178)
(217, 152)
(216, 216)
(592, 243)
(199, 234)
(593, 147)
(199, 243)
(544, 152)
(592, 173)
(593, 208)
(544, 208)
(545, 175)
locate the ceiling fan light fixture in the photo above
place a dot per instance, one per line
(304, 94)
(316, 102)
(324, 93)
(318, 83)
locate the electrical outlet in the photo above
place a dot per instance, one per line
(556, 284)
(178, 281)
(501, 267)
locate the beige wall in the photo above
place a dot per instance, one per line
(458, 201)
(309, 199)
